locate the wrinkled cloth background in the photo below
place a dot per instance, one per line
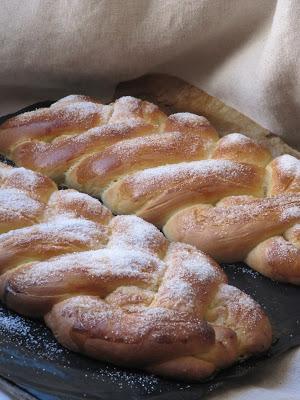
(247, 53)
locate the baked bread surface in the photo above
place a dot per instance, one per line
(226, 196)
(115, 288)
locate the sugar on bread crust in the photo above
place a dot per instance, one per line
(115, 288)
(226, 196)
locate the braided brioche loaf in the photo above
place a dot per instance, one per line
(114, 288)
(225, 196)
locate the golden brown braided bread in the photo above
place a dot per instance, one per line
(225, 196)
(114, 288)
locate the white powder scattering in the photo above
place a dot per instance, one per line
(157, 313)
(13, 324)
(178, 293)
(281, 250)
(131, 104)
(200, 268)
(103, 264)
(80, 111)
(158, 322)
(58, 231)
(25, 178)
(189, 119)
(188, 278)
(273, 210)
(147, 180)
(155, 143)
(132, 232)
(127, 107)
(179, 287)
(127, 103)
(71, 98)
(98, 134)
(149, 108)
(131, 327)
(15, 202)
(242, 310)
(288, 165)
(36, 340)
(29, 335)
(152, 149)
(68, 113)
(70, 203)
(237, 138)
(291, 213)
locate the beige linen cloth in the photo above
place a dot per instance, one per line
(246, 52)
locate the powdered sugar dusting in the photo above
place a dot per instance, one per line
(133, 245)
(29, 335)
(80, 111)
(129, 231)
(155, 142)
(128, 103)
(121, 129)
(75, 204)
(274, 210)
(199, 268)
(288, 165)
(145, 180)
(291, 213)
(240, 307)
(173, 146)
(35, 339)
(279, 249)
(60, 230)
(178, 294)
(150, 108)
(72, 98)
(69, 229)
(103, 263)
(237, 138)
(25, 178)
(15, 202)
(70, 113)
(189, 119)
(130, 107)
(13, 325)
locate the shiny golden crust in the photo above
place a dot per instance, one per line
(173, 171)
(115, 289)
(42, 156)
(22, 197)
(240, 148)
(129, 156)
(276, 255)
(154, 194)
(255, 232)
(67, 118)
